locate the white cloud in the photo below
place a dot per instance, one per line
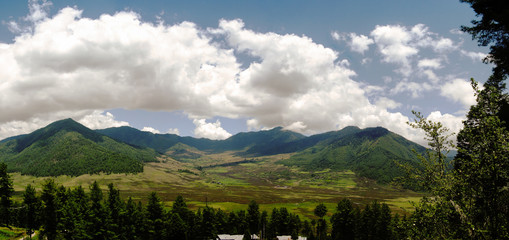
(434, 63)
(337, 36)
(70, 64)
(414, 88)
(38, 11)
(453, 123)
(387, 103)
(359, 43)
(475, 56)
(212, 131)
(173, 131)
(151, 130)
(100, 120)
(459, 90)
(394, 44)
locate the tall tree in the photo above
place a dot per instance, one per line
(492, 29)
(321, 228)
(253, 217)
(97, 228)
(154, 216)
(6, 191)
(49, 213)
(32, 205)
(343, 221)
(482, 166)
(115, 207)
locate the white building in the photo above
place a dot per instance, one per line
(290, 238)
(234, 237)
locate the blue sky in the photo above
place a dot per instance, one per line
(215, 68)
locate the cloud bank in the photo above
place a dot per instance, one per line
(71, 66)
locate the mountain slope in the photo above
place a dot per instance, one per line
(68, 148)
(371, 153)
(248, 143)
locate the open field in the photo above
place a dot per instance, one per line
(229, 182)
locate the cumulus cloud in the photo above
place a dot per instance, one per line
(173, 131)
(434, 63)
(100, 120)
(475, 56)
(150, 130)
(459, 90)
(212, 131)
(359, 43)
(453, 123)
(70, 64)
(401, 45)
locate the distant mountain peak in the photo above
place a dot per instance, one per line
(67, 124)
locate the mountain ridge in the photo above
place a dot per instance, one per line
(370, 152)
(66, 147)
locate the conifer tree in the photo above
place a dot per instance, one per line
(115, 207)
(50, 206)
(97, 218)
(32, 205)
(253, 217)
(154, 217)
(6, 191)
(343, 221)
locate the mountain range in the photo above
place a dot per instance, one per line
(68, 148)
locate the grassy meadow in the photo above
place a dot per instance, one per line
(229, 182)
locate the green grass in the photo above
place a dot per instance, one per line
(14, 233)
(232, 187)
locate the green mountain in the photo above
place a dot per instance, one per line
(248, 143)
(370, 153)
(68, 148)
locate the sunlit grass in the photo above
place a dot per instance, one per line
(232, 187)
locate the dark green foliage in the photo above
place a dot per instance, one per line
(253, 217)
(482, 166)
(6, 191)
(343, 221)
(176, 228)
(50, 207)
(32, 210)
(116, 212)
(492, 30)
(154, 217)
(73, 214)
(371, 153)
(254, 143)
(68, 148)
(132, 226)
(97, 214)
(321, 226)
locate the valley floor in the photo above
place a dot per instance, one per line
(229, 182)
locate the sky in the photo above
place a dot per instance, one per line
(215, 68)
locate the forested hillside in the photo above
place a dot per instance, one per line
(371, 153)
(68, 148)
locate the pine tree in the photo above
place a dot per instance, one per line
(115, 207)
(32, 205)
(343, 221)
(6, 191)
(253, 217)
(154, 217)
(482, 166)
(97, 218)
(321, 228)
(50, 206)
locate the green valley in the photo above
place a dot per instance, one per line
(274, 167)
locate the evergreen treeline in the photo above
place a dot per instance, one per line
(58, 212)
